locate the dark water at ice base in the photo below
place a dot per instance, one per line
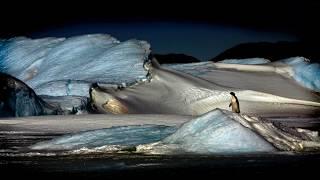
(13, 163)
(139, 165)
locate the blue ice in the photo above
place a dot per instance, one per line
(76, 61)
(214, 132)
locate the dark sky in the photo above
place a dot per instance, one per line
(196, 28)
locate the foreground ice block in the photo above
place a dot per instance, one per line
(218, 131)
(115, 137)
(215, 132)
(221, 131)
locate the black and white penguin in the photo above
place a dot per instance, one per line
(234, 103)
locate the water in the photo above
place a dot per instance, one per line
(129, 164)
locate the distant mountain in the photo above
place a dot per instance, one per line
(175, 58)
(271, 51)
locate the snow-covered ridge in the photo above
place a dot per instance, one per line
(73, 62)
(300, 69)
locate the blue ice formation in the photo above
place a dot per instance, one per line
(245, 61)
(123, 136)
(217, 132)
(214, 132)
(305, 73)
(73, 62)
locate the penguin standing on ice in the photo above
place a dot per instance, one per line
(234, 103)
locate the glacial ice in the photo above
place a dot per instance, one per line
(73, 62)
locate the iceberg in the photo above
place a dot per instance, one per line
(221, 131)
(73, 62)
(214, 132)
(210, 133)
(218, 131)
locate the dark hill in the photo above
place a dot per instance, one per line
(175, 58)
(271, 51)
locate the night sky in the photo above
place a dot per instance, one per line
(197, 29)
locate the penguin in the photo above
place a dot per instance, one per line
(234, 103)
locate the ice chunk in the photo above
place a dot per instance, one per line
(86, 59)
(211, 133)
(214, 132)
(219, 131)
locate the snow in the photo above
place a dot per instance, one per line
(299, 69)
(81, 59)
(245, 61)
(307, 74)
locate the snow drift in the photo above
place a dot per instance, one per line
(299, 69)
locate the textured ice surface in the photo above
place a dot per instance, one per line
(122, 136)
(246, 61)
(73, 62)
(306, 73)
(214, 132)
